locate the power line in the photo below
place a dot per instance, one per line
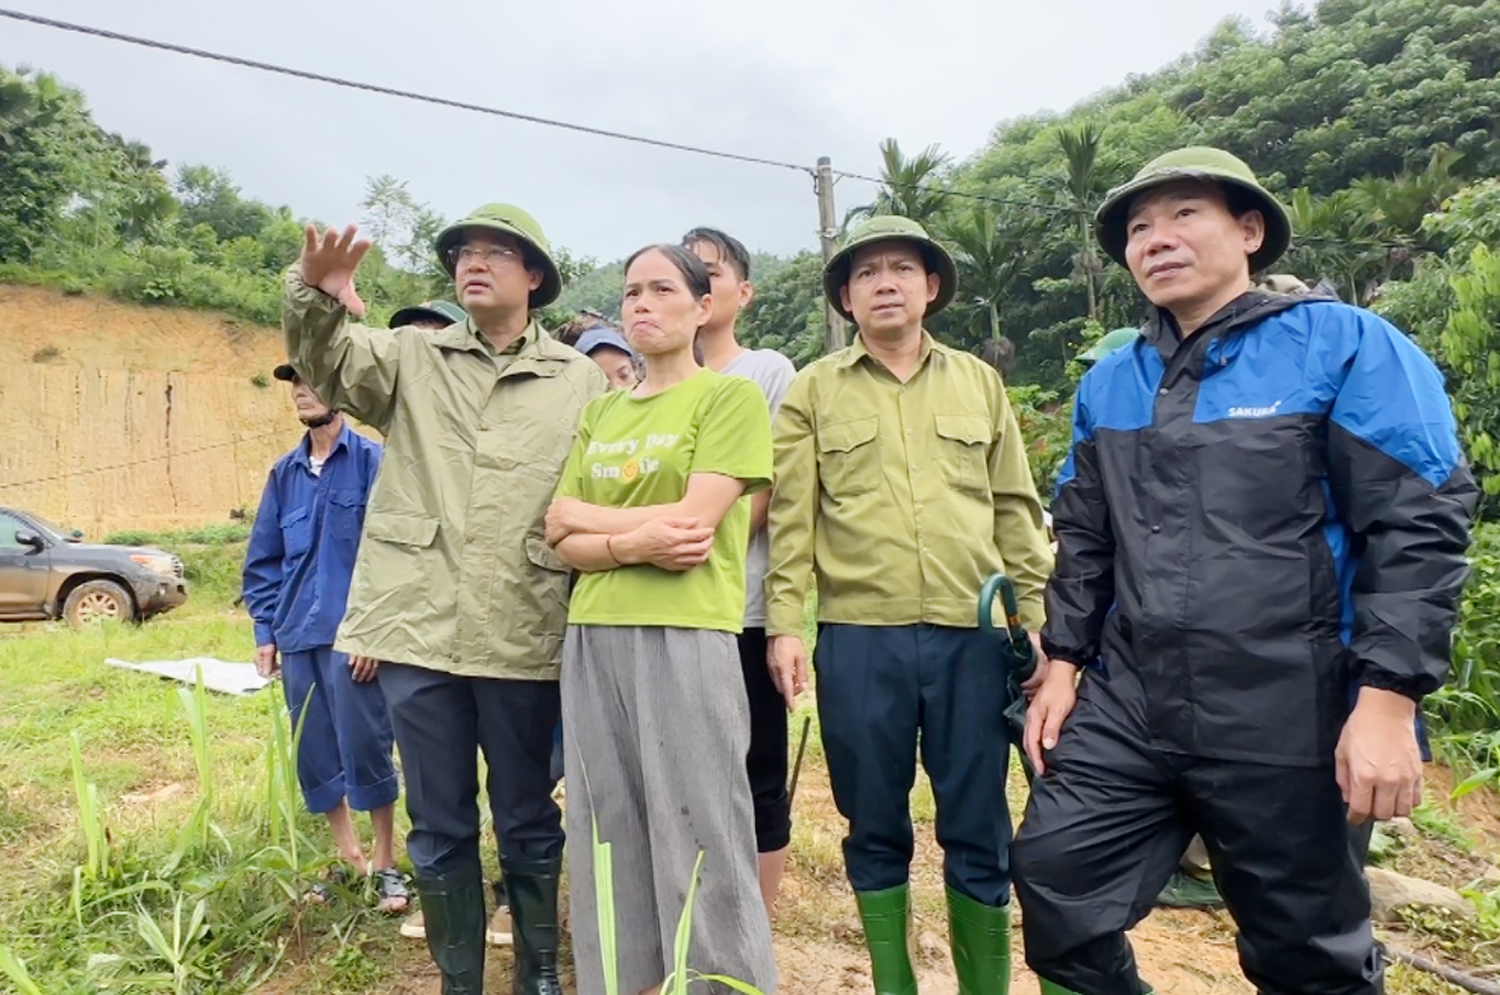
(235, 60)
(139, 462)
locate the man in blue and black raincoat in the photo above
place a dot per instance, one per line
(1261, 532)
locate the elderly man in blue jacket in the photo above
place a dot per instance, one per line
(296, 582)
(1261, 532)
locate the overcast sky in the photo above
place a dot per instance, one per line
(783, 79)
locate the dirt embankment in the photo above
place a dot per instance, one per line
(114, 416)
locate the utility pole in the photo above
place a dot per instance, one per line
(828, 229)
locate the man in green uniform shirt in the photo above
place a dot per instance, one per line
(901, 484)
(455, 585)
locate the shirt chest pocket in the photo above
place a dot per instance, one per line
(963, 446)
(296, 531)
(346, 513)
(849, 457)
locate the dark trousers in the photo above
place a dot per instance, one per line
(883, 694)
(1106, 825)
(766, 762)
(344, 746)
(442, 722)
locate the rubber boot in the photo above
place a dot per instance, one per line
(980, 939)
(453, 913)
(532, 887)
(885, 915)
(1185, 891)
(1052, 988)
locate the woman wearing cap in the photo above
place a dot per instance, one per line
(600, 341)
(649, 511)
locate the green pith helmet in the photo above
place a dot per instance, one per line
(443, 311)
(1108, 343)
(511, 220)
(887, 228)
(1197, 162)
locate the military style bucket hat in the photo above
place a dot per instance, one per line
(511, 220)
(887, 228)
(444, 311)
(1198, 162)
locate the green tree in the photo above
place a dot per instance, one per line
(1471, 348)
(908, 186)
(787, 313)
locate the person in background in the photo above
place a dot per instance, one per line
(599, 339)
(296, 583)
(429, 315)
(654, 711)
(901, 484)
(456, 590)
(728, 263)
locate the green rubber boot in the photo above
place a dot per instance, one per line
(1184, 891)
(453, 913)
(533, 912)
(885, 915)
(1049, 988)
(980, 938)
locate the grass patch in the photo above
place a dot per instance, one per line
(172, 854)
(218, 534)
(1443, 824)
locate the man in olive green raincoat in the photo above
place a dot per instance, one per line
(455, 585)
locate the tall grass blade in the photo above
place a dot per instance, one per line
(677, 983)
(744, 988)
(604, 889)
(95, 838)
(15, 969)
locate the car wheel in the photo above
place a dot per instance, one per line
(98, 601)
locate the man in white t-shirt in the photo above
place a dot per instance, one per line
(728, 265)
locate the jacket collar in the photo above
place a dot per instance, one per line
(303, 453)
(1250, 308)
(857, 350)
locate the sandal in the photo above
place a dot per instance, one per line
(321, 893)
(391, 891)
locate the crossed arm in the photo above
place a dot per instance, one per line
(676, 536)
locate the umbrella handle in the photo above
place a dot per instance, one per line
(992, 586)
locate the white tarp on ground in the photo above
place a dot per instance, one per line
(230, 678)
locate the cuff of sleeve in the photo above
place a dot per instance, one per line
(301, 292)
(264, 636)
(1410, 687)
(783, 620)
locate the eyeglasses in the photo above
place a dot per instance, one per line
(487, 254)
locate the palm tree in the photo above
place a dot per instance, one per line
(908, 186)
(1086, 180)
(1338, 237)
(991, 252)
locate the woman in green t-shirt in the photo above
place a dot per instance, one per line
(655, 720)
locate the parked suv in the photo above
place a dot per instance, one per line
(47, 573)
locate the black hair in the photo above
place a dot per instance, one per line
(694, 272)
(570, 331)
(730, 249)
(1240, 201)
